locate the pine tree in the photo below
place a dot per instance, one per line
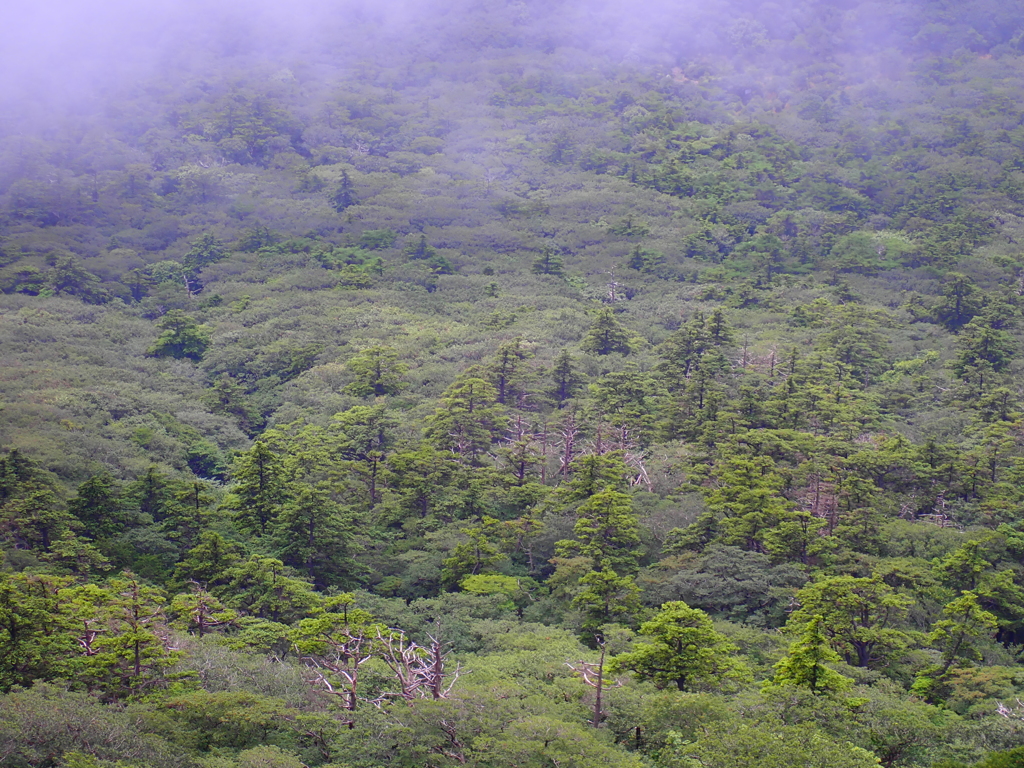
(260, 489)
(97, 505)
(566, 381)
(548, 262)
(805, 665)
(607, 335)
(181, 338)
(682, 648)
(509, 371)
(378, 372)
(607, 532)
(344, 195)
(469, 418)
(314, 534)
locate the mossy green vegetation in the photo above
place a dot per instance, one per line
(513, 397)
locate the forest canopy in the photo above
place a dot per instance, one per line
(513, 383)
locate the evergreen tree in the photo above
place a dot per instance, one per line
(549, 262)
(124, 635)
(260, 489)
(680, 647)
(607, 533)
(963, 622)
(469, 419)
(566, 380)
(509, 372)
(98, 507)
(344, 195)
(181, 338)
(227, 396)
(314, 535)
(861, 617)
(806, 664)
(208, 562)
(378, 372)
(204, 250)
(607, 335)
(36, 642)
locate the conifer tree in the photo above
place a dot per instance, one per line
(378, 372)
(548, 262)
(344, 195)
(566, 380)
(806, 664)
(607, 335)
(680, 647)
(260, 489)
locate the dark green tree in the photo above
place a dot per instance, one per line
(469, 419)
(228, 396)
(510, 373)
(203, 251)
(607, 335)
(960, 302)
(344, 195)
(36, 642)
(566, 379)
(208, 562)
(98, 507)
(260, 489)
(181, 338)
(549, 262)
(314, 534)
(69, 277)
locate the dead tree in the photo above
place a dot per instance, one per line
(431, 673)
(420, 671)
(405, 659)
(592, 674)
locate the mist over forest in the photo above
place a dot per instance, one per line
(486, 383)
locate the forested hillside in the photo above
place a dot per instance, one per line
(532, 383)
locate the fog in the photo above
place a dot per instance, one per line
(56, 52)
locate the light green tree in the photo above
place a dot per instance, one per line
(862, 618)
(378, 372)
(963, 622)
(181, 337)
(806, 664)
(680, 647)
(607, 532)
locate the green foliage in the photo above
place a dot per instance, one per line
(963, 621)
(344, 195)
(260, 489)
(682, 649)
(861, 617)
(181, 338)
(779, 746)
(607, 533)
(795, 287)
(35, 641)
(607, 335)
(377, 371)
(548, 262)
(806, 664)
(46, 723)
(469, 419)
